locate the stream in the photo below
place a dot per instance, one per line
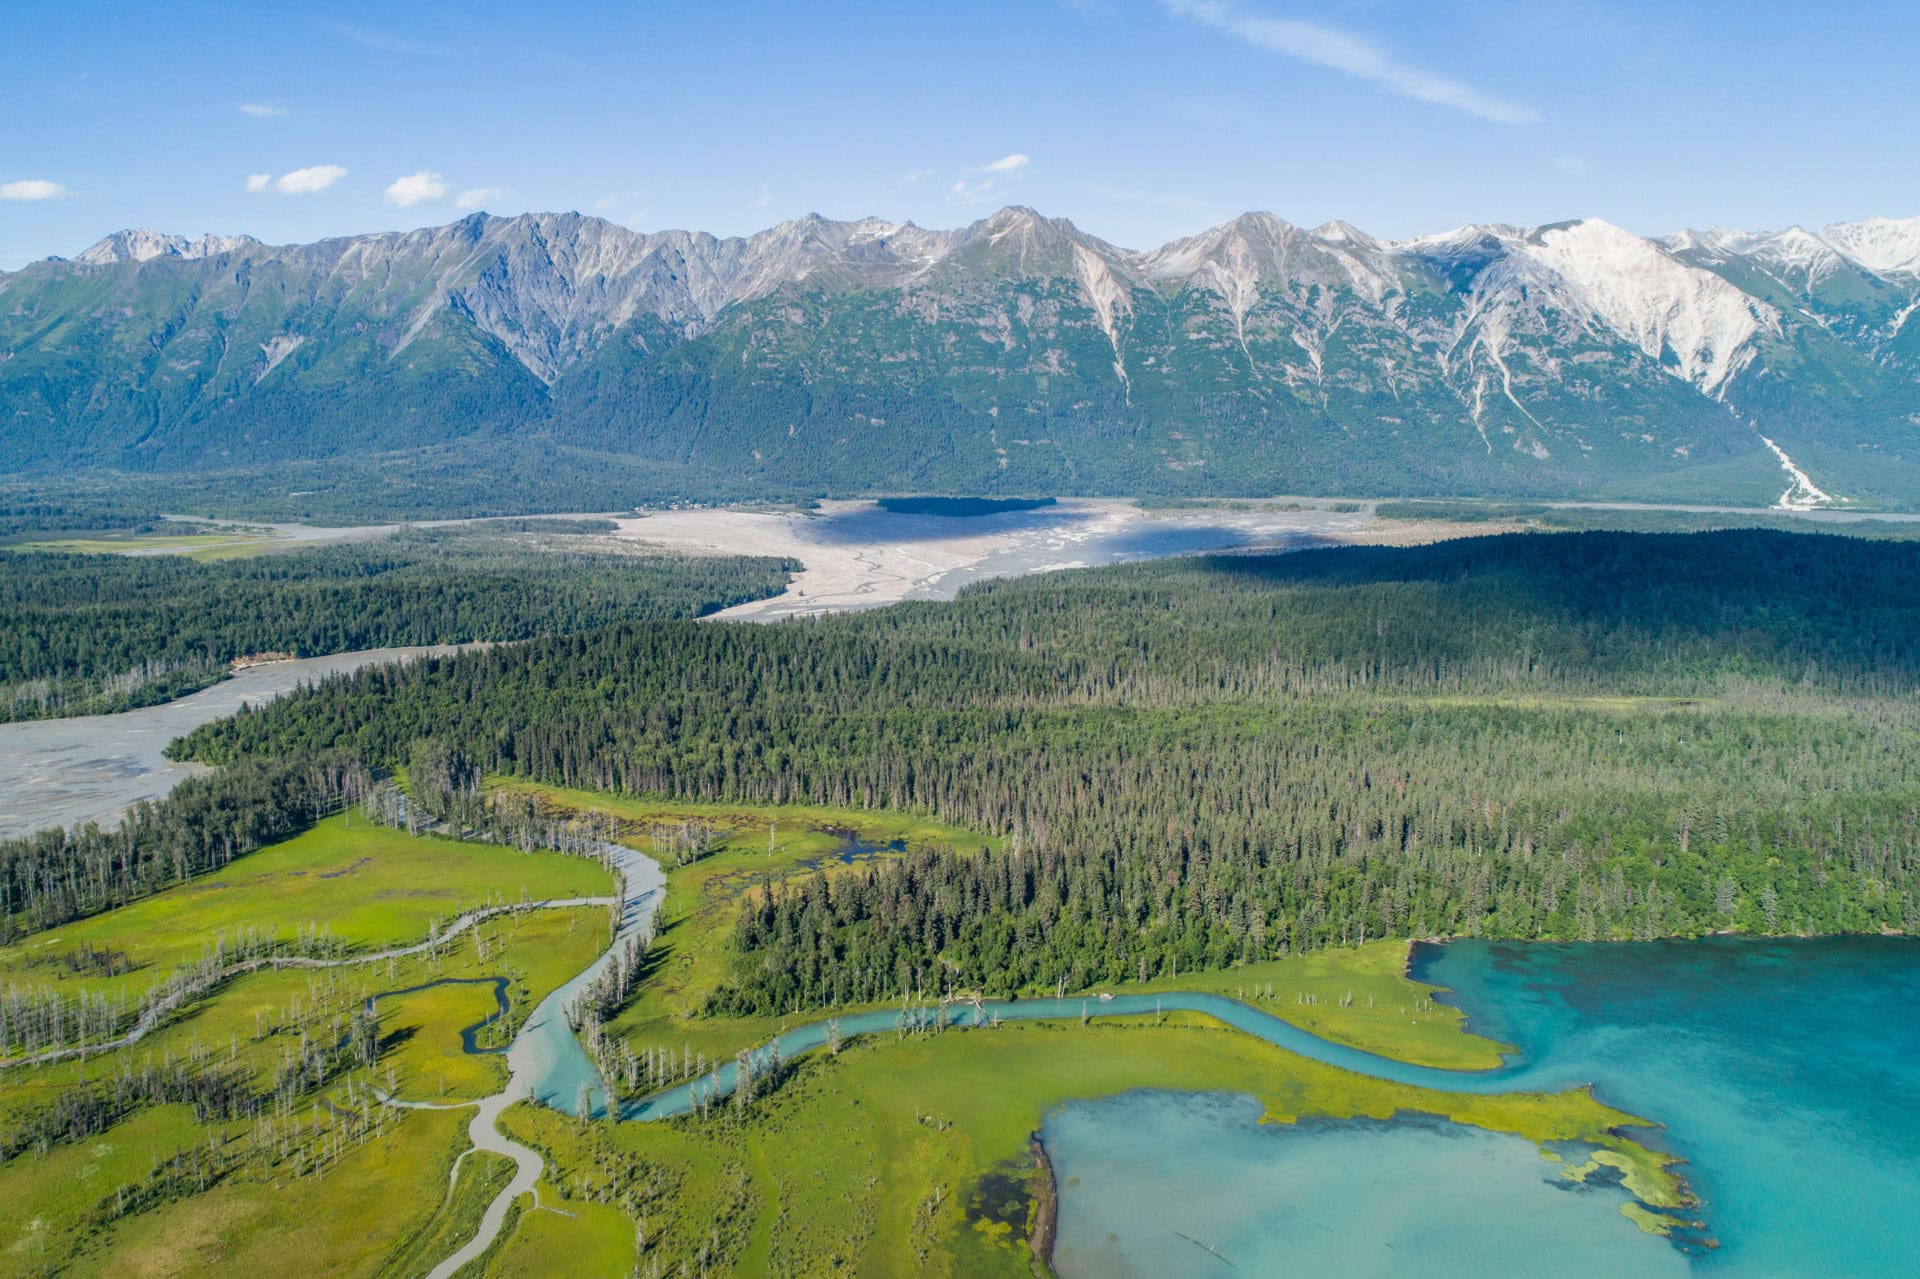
(546, 1062)
(1708, 1035)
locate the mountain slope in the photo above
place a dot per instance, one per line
(1018, 353)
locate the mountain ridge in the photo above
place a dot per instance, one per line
(1254, 353)
(1878, 243)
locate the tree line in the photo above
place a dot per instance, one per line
(1197, 762)
(94, 633)
(56, 875)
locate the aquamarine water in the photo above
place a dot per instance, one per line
(963, 1018)
(1786, 1073)
(1161, 1183)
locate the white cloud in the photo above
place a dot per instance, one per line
(271, 107)
(258, 182)
(765, 197)
(1330, 47)
(32, 189)
(999, 173)
(317, 177)
(476, 197)
(384, 41)
(914, 175)
(416, 188)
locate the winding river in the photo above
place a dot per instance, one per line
(1754, 1054)
(546, 1062)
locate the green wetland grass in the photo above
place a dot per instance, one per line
(890, 1130)
(351, 1184)
(875, 1160)
(904, 1129)
(367, 887)
(63, 1204)
(753, 846)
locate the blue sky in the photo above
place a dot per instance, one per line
(1141, 120)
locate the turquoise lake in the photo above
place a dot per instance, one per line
(1164, 1183)
(1787, 1074)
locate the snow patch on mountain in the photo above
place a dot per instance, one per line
(1696, 324)
(1492, 338)
(1885, 246)
(276, 350)
(1109, 300)
(1225, 261)
(1802, 493)
(1493, 312)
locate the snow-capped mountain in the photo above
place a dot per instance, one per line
(1019, 351)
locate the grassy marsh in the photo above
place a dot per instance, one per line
(369, 887)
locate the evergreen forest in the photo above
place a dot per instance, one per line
(1199, 762)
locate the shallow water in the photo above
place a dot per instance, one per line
(1163, 1183)
(546, 1061)
(1785, 1073)
(719, 1082)
(469, 1035)
(1050, 542)
(91, 768)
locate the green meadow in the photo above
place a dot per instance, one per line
(900, 1154)
(1388, 1014)
(332, 1177)
(56, 1205)
(1359, 996)
(198, 546)
(875, 1161)
(692, 929)
(562, 1236)
(370, 887)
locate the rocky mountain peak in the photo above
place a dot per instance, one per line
(143, 244)
(1887, 246)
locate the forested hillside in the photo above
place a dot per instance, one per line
(93, 633)
(1201, 761)
(1018, 354)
